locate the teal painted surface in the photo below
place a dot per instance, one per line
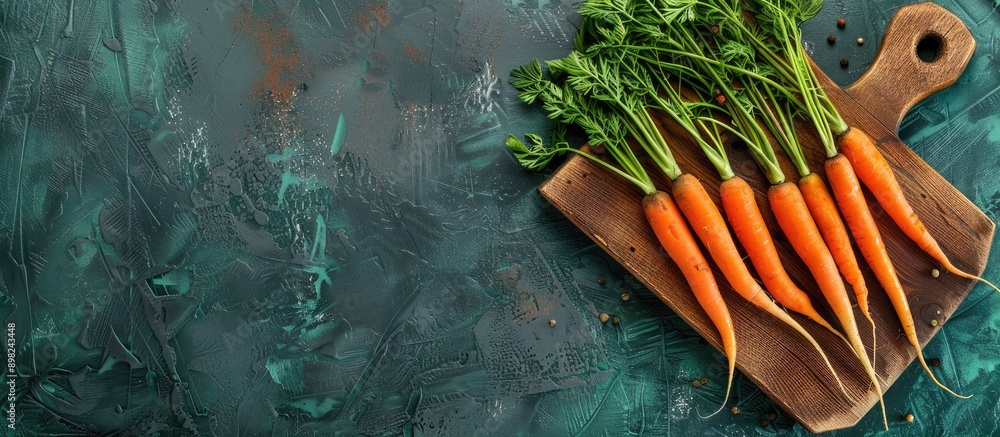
(194, 240)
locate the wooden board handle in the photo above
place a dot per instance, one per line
(899, 77)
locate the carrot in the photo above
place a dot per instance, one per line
(795, 219)
(750, 115)
(606, 127)
(793, 215)
(737, 197)
(741, 210)
(874, 171)
(710, 227)
(675, 237)
(792, 68)
(852, 203)
(824, 211)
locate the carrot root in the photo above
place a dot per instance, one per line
(862, 225)
(823, 209)
(676, 239)
(874, 171)
(740, 205)
(958, 272)
(795, 220)
(710, 227)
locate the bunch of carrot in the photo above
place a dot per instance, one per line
(748, 79)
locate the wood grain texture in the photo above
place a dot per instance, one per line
(898, 78)
(779, 361)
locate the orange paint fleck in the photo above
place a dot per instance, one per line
(381, 14)
(374, 15)
(285, 66)
(363, 21)
(414, 52)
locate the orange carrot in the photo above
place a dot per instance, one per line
(737, 197)
(607, 124)
(796, 217)
(831, 226)
(872, 168)
(744, 216)
(859, 219)
(708, 224)
(667, 224)
(674, 235)
(824, 212)
(741, 209)
(793, 216)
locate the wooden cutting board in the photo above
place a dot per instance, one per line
(779, 361)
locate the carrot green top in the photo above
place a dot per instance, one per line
(634, 55)
(662, 41)
(567, 106)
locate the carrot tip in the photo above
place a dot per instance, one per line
(994, 287)
(920, 357)
(869, 317)
(729, 387)
(958, 272)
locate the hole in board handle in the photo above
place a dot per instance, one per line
(929, 47)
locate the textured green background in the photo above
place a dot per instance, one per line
(297, 217)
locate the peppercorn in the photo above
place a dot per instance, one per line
(601, 280)
(841, 23)
(861, 41)
(604, 317)
(909, 418)
(831, 38)
(844, 62)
